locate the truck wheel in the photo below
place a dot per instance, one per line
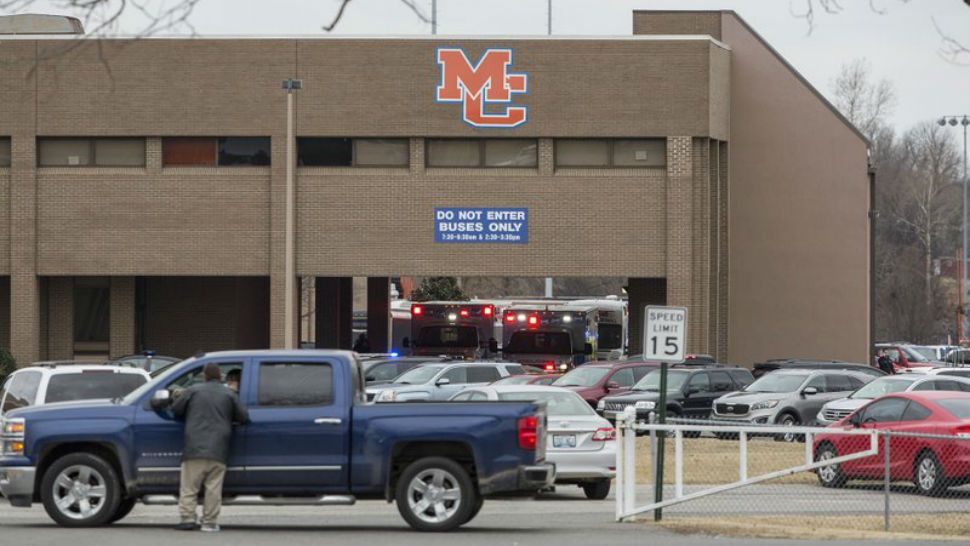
(80, 490)
(476, 508)
(435, 494)
(598, 490)
(124, 508)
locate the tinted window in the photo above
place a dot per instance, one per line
(856, 382)
(72, 152)
(915, 412)
(721, 382)
(885, 411)
(482, 374)
(119, 152)
(946, 385)
(89, 385)
(457, 375)
(548, 343)
(385, 152)
(610, 336)
(511, 152)
(295, 384)
(325, 152)
(957, 373)
(959, 407)
(701, 382)
(91, 310)
(189, 151)
(244, 151)
(742, 377)
(448, 336)
(194, 376)
(582, 153)
(624, 377)
(838, 383)
(21, 390)
(382, 372)
(641, 152)
(818, 382)
(777, 382)
(453, 153)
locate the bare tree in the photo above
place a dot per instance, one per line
(867, 103)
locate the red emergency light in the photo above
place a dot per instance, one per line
(549, 366)
(463, 313)
(417, 310)
(488, 311)
(533, 321)
(510, 317)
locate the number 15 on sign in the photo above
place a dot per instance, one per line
(664, 333)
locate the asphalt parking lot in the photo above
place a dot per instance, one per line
(561, 519)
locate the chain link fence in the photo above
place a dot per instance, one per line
(908, 483)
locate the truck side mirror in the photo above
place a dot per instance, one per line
(493, 345)
(161, 399)
(588, 349)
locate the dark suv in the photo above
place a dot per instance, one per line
(691, 392)
(761, 368)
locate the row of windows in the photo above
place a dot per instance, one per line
(345, 152)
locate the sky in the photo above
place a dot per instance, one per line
(899, 38)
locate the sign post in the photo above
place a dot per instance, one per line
(664, 335)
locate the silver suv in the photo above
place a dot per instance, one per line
(789, 397)
(47, 383)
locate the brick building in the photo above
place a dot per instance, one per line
(143, 195)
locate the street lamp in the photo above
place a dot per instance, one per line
(953, 121)
(291, 86)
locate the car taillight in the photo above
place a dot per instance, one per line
(510, 317)
(417, 310)
(488, 311)
(604, 435)
(464, 313)
(533, 321)
(528, 432)
(549, 366)
(962, 431)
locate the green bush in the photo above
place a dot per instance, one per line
(7, 364)
(438, 289)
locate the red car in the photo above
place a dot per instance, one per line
(932, 463)
(529, 379)
(597, 379)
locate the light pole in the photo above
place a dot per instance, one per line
(953, 121)
(291, 86)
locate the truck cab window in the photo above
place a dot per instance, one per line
(457, 375)
(21, 391)
(194, 376)
(295, 384)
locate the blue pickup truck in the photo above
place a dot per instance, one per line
(312, 439)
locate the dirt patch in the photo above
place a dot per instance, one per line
(941, 526)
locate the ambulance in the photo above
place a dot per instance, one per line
(457, 329)
(555, 338)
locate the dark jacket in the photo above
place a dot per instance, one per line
(886, 365)
(209, 410)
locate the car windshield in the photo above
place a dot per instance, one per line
(582, 377)
(157, 377)
(883, 385)
(913, 355)
(557, 403)
(651, 381)
(544, 343)
(418, 376)
(88, 385)
(777, 382)
(959, 407)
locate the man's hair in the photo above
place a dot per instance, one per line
(234, 374)
(211, 372)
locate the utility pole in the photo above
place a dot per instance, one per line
(549, 18)
(953, 121)
(434, 16)
(291, 86)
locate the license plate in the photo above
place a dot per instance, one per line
(564, 440)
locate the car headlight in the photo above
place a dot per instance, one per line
(764, 404)
(601, 405)
(14, 431)
(14, 426)
(645, 404)
(386, 396)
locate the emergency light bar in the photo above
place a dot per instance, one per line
(453, 312)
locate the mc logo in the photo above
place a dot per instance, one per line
(488, 82)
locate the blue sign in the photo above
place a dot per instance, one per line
(481, 225)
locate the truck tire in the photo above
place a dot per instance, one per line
(476, 508)
(80, 490)
(598, 490)
(435, 494)
(124, 508)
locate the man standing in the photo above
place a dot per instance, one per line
(209, 410)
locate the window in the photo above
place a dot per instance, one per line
(885, 411)
(838, 383)
(212, 152)
(195, 377)
(701, 382)
(587, 152)
(86, 152)
(89, 385)
(940, 385)
(640, 371)
(21, 391)
(353, 152)
(91, 310)
(382, 372)
(514, 369)
(448, 336)
(295, 384)
(915, 412)
(610, 336)
(958, 407)
(818, 382)
(957, 373)
(558, 404)
(742, 376)
(485, 152)
(548, 343)
(483, 374)
(623, 377)
(456, 376)
(4, 152)
(463, 397)
(721, 382)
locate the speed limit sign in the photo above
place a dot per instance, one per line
(664, 333)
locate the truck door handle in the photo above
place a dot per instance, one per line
(327, 421)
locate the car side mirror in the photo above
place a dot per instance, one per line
(855, 420)
(370, 378)
(693, 390)
(612, 385)
(810, 391)
(588, 349)
(161, 399)
(442, 382)
(493, 345)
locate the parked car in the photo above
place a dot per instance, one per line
(951, 372)
(147, 361)
(957, 356)
(761, 368)
(383, 370)
(689, 360)
(46, 383)
(933, 464)
(904, 356)
(836, 410)
(690, 393)
(528, 379)
(787, 397)
(441, 381)
(311, 439)
(580, 443)
(597, 379)
(934, 352)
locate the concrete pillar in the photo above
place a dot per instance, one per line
(121, 317)
(642, 292)
(379, 313)
(60, 318)
(334, 312)
(25, 287)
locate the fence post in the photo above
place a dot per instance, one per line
(629, 453)
(679, 463)
(743, 456)
(621, 433)
(887, 480)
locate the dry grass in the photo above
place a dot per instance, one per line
(942, 526)
(708, 461)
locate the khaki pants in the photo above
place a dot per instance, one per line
(195, 473)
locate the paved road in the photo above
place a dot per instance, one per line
(562, 519)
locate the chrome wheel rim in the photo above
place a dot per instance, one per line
(926, 474)
(434, 495)
(79, 492)
(827, 473)
(788, 421)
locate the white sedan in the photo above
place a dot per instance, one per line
(580, 442)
